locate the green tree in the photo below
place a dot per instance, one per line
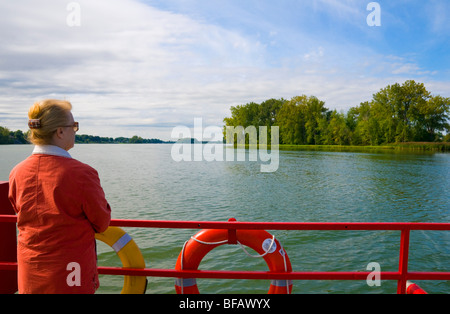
(4, 136)
(19, 137)
(291, 121)
(315, 114)
(136, 140)
(268, 111)
(244, 115)
(337, 131)
(253, 114)
(431, 118)
(398, 110)
(367, 130)
(301, 120)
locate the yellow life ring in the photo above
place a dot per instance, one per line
(129, 254)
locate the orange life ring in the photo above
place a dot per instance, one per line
(412, 288)
(261, 241)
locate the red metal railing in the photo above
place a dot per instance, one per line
(401, 276)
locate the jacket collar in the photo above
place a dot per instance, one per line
(50, 150)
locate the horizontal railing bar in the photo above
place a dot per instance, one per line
(216, 274)
(8, 218)
(248, 275)
(428, 275)
(269, 225)
(8, 266)
(254, 275)
(282, 225)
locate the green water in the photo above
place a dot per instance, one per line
(143, 182)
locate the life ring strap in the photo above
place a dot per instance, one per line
(120, 244)
(185, 282)
(281, 283)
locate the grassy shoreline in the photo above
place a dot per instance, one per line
(421, 147)
(424, 146)
(406, 147)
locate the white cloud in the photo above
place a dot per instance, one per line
(408, 68)
(124, 54)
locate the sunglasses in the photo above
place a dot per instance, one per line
(75, 126)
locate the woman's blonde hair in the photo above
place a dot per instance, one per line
(51, 114)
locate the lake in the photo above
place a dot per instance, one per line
(144, 182)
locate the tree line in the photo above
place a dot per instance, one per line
(89, 139)
(12, 137)
(19, 137)
(397, 113)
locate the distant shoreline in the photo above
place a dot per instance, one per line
(412, 146)
(443, 147)
(407, 147)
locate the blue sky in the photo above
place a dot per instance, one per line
(145, 66)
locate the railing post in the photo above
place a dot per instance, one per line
(8, 243)
(232, 236)
(403, 261)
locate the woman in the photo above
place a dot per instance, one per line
(60, 205)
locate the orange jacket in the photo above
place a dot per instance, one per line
(60, 206)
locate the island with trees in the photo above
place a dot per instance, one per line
(399, 114)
